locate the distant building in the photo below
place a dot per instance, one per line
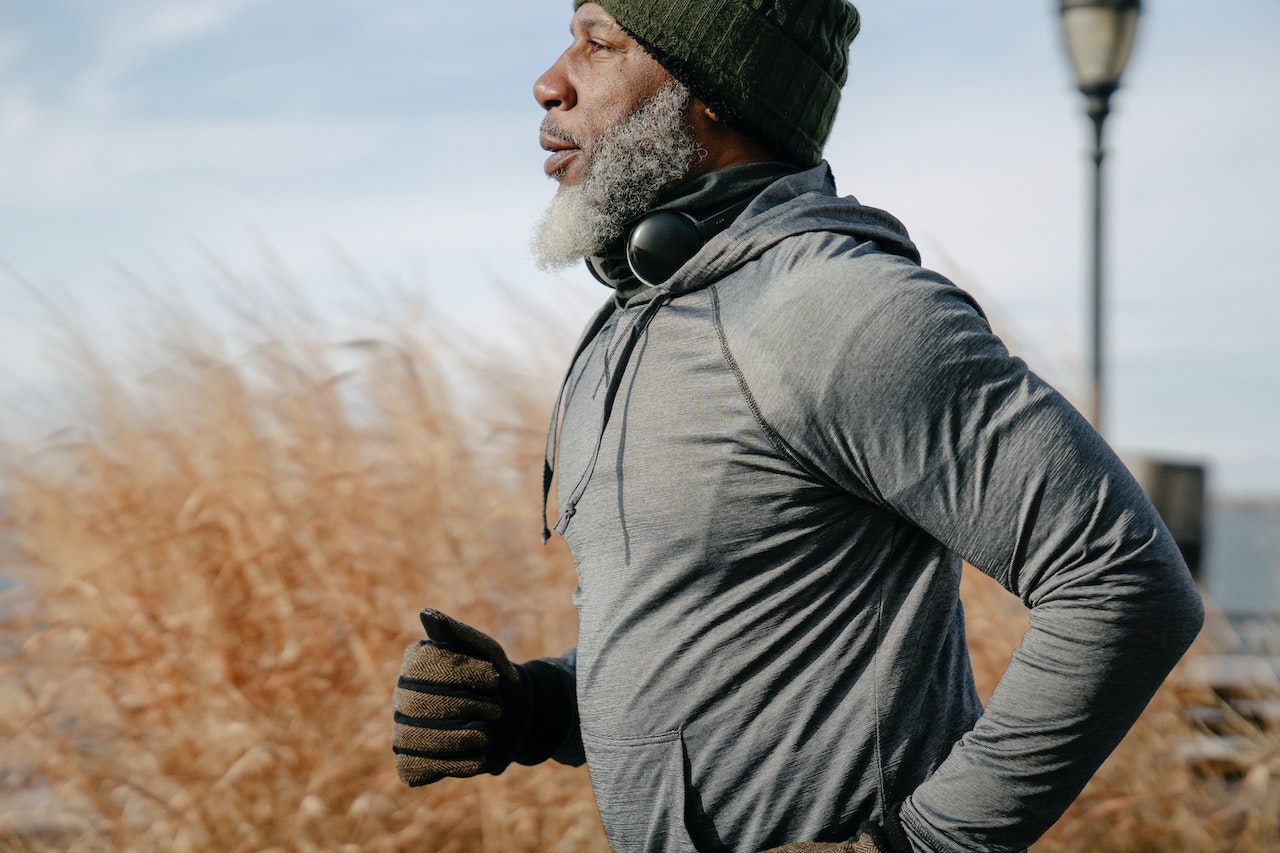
(1242, 561)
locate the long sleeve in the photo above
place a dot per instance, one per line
(553, 730)
(925, 412)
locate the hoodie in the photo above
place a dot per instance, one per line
(770, 470)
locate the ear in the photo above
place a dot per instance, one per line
(700, 115)
(724, 146)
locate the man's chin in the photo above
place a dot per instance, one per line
(567, 230)
(566, 177)
(555, 265)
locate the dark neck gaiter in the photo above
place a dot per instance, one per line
(699, 198)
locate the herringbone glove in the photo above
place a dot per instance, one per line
(864, 844)
(462, 708)
(448, 700)
(884, 836)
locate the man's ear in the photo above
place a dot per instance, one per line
(723, 145)
(700, 113)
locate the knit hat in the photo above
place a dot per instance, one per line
(770, 68)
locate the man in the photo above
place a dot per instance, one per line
(779, 439)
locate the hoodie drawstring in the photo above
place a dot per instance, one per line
(615, 383)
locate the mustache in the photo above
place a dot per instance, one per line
(561, 135)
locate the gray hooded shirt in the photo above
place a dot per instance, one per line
(769, 471)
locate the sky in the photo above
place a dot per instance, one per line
(155, 139)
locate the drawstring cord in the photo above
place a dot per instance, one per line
(615, 383)
(553, 429)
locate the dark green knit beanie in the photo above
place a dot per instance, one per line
(770, 68)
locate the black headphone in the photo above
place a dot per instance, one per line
(660, 243)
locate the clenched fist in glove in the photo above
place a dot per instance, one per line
(462, 708)
(886, 837)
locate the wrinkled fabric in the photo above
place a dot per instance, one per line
(801, 444)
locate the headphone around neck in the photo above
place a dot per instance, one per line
(660, 243)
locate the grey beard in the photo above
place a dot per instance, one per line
(630, 165)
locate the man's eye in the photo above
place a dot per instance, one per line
(594, 46)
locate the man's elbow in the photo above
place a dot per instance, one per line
(1191, 611)
(1173, 605)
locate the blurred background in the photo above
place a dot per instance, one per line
(160, 148)
(141, 138)
(140, 135)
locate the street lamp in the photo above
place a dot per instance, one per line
(1099, 36)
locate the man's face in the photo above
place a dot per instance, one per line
(618, 129)
(602, 78)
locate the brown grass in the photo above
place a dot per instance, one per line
(229, 558)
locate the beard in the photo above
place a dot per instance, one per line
(629, 165)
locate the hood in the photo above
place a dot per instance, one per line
(796, 204)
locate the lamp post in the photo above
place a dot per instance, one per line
(1099, 36)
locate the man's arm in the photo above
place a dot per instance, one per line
(556, 734)
(924, 409)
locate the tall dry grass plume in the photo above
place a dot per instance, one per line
(222, 566)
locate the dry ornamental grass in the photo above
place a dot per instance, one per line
(223, 570)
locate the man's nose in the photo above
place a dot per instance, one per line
(553, 90)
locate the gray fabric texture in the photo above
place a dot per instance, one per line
(807, 433)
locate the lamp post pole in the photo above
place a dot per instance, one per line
(1098, 109)
(1099, 36)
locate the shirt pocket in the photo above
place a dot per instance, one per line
(641, 787)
